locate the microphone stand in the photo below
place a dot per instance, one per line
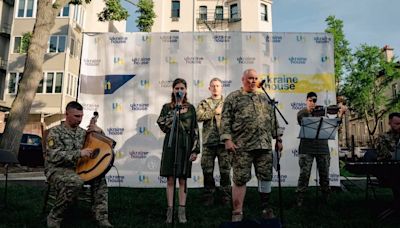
(175, 129)
(273, 103)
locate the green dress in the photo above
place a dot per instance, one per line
(188, 141)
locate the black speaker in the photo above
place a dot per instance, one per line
(253, 223)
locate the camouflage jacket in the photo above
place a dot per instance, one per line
(211, 121)
(63, 148)
(387, 144)
(248, 120)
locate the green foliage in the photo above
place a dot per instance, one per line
(342, 52)
(26, 40)
(146, 18)
(113, 11)
(368, 84)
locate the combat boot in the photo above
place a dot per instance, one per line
(182, 214)
(266, 211)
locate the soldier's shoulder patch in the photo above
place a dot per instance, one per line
(50, 142)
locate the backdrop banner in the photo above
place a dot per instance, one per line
(127, 78)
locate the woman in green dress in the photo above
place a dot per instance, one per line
(187, 148)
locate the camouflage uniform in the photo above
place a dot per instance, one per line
(248, 120)
(387, 144)
(308, 150)
(63, 151)
(213, 147)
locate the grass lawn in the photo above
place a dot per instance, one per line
(146, 208)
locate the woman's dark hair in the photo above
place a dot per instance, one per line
(177, 81)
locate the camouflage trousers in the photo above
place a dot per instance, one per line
(207, 164)
(305, 163)
(242, 161)
(68, 186)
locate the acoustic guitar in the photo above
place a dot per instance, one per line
(102, 158)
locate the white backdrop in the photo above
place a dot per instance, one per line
(128, 77)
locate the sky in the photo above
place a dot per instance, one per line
(369, 22)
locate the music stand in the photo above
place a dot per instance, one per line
(318, 128)
(7, 157)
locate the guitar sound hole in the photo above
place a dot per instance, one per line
(95, 153)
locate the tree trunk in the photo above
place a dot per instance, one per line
(33, 74)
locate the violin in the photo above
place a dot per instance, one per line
(320, 110)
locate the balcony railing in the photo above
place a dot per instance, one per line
(3, 64)
(215, 16)
(5, 28)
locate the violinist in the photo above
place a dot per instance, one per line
(314, 148)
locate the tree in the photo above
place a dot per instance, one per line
(342, 52)
(366, 87)
(146, 18)
(32, 75)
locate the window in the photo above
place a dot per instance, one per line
(176, 5)
(51, 83)
(57, 44)
(71, 85)
(25, 8)
(234, 11)
(79, 14)
(72, 47)
(219, 12)
(64, 11)
(13, 82)
(203, 13)
(395, 90)
(264, 12)
(17, 44)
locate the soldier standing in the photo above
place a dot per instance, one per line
(209, 112)
(247, 127)
(64, 148)
(310, 149)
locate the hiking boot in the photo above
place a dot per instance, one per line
(169, 215)
(237, 216)
(267, 213)
(182, 214)
(105, 224)
(53, 223)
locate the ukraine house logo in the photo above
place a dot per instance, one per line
(119, 61)
(325, 59)
(300, 38)
(171, 60)
(141, 61)
(222, 38)
(145, 84)
(322, 39)
(222, 60)
(198, 83)
(118, 39)
(143, 131)
(297, 60)
(147, 39)
(117, 107)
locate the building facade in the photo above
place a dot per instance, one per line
(62, 59)
(356, 127)
(212, 15)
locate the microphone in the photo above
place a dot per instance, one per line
(261, 84)
(179, 95)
